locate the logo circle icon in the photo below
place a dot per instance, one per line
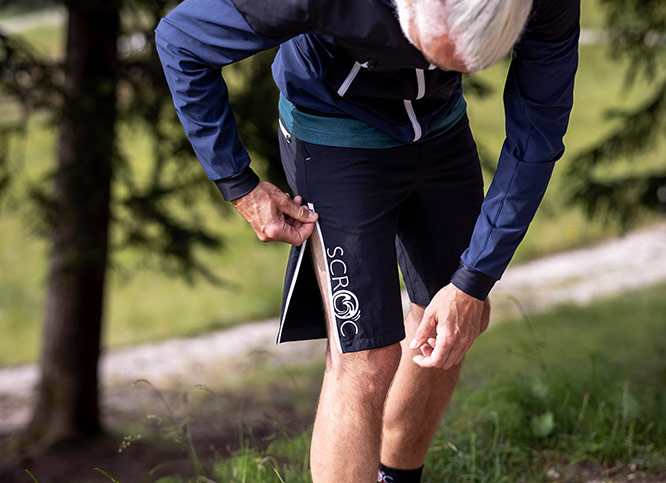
(345, 304)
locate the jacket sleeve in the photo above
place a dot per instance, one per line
(194, 41)
(538, 97)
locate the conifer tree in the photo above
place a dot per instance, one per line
(636, 31)
(110, 77)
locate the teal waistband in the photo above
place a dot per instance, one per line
(351, 133)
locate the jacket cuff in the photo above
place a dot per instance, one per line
(473, 283)
(238, 185)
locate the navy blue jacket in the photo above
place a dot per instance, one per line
(349, 58)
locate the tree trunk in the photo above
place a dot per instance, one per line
(68, 407)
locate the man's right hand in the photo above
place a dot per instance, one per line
(274, 216)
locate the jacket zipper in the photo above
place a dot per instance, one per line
(420, 92)
(412, 118)
(420, 82)
(409, 108)
(349, 79)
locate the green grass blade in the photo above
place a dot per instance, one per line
(31, 475)
(107, 475)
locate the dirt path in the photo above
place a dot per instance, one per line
(578, 276)
(635, 260)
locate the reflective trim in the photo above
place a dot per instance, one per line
(420, 81)
(412, 118)
(328, 284)
(350, 78)
(291, 287)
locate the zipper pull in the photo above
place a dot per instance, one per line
(420, 83)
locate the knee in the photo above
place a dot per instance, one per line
(370, 371)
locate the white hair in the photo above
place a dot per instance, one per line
(482, 31)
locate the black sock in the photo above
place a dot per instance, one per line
(392, 475)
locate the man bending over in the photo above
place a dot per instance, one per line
(376, 147)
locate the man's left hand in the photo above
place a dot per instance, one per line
(456, 319)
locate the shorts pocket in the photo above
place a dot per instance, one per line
(315, 151)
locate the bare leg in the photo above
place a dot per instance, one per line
(347, 432)
(416, 403)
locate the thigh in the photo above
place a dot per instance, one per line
(437, 219)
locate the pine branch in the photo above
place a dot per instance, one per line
(638, 132)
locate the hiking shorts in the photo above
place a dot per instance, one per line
(414, 205)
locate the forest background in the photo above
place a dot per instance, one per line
(236, 278)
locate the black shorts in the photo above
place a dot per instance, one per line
(415, 205)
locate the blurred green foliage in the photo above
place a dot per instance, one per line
(624, 173)
(145, 304)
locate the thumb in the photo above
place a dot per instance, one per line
(297, 211)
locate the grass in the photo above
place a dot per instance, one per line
(568, 391)
(142, 305)
(48, 40)
(570, 386)
(148, 305)
(17, 9)
(591, 15)
(282, 461)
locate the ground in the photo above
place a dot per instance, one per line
(282, 394)
(218, 422)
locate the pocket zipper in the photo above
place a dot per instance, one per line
(284, 131)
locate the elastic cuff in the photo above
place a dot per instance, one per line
(393, 475)
(239, 185)
(473, 283)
